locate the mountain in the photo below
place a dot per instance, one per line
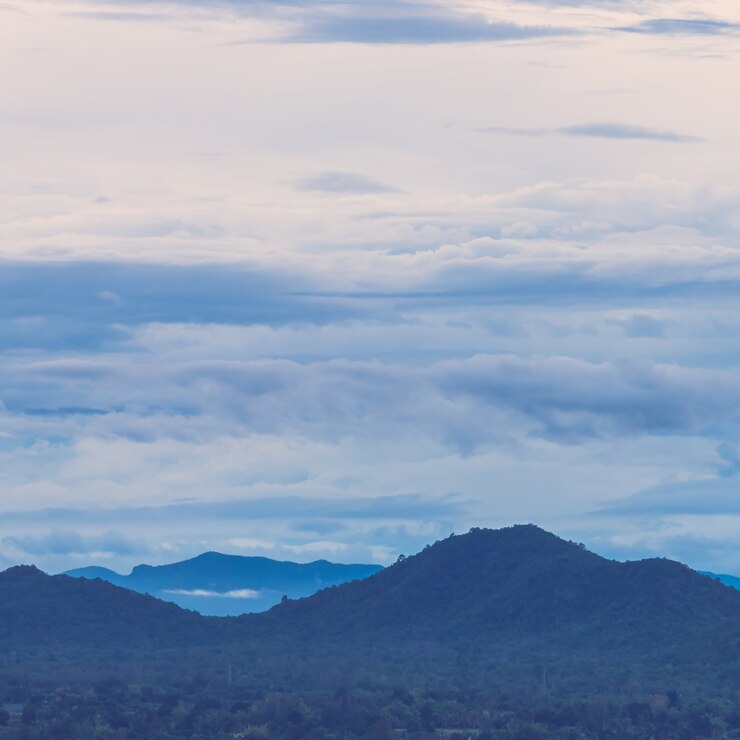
(93, 571)
(517, 582)
(224, 585)
(732, 581)
(38, 610)
(512, 633)
(493, 595)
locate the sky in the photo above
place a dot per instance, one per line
(322, 279)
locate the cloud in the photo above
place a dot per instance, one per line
(710, 496)
(512, 318)
(317, 21)
(463, 403)
(89, 305)
(602, 130)
(572, 399)
(343, 182)
(66, 542)
(682, 26)
(241, 593)
(409, 24)
(401, 506)
(641, 325)
(624, 131)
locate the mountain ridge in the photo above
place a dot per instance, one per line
(219, 584)
(519, 579)
(514, 632)
(513, 586)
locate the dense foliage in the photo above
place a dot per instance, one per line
(505, 634)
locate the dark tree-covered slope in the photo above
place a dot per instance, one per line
(487, 588)
(38, 610)
(511, 632)
(517, 581)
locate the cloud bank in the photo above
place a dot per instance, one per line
(268, 290)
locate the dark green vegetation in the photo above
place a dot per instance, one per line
(213, 573)
(497, 634)
(733, 581)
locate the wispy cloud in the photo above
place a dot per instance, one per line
(411, 24)
(704, 497)
(240, 593)
(69, 542)
(603, 130)
(326, 21)
(401, 506)
(682, 26)
(343, 182)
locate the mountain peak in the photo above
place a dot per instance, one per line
(517, 545)
(23, 571)
(519, 580)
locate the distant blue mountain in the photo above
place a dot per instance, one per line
(732, 581)
(227, 585)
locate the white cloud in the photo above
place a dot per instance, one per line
(239, 593)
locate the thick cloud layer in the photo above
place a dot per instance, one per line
(333, 279)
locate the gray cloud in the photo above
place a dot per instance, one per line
(67, 542)
(412, 25)
(641, 325)
(572, 399)
(343, 182)
(464, 403)
(707, 497)
(625, 131)
(334, 21)
(89, 305)
(598, 130)
(682, 26)
(401, 506)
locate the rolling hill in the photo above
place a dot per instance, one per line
(41, 611)
(518, 582)
(517, 597)
(509, 633)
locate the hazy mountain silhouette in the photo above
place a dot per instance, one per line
(223, 585)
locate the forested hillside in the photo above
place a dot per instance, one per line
(511, 633)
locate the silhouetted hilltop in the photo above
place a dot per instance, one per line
(512, 631)
(223, 585)
(517, 581)
(38, 610)
(488, 592)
